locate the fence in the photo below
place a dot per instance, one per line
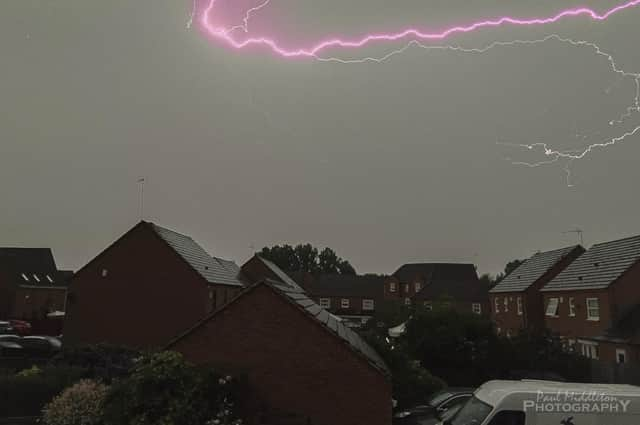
(615, 373)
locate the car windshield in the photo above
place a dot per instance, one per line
(474, 412)
(439, 397)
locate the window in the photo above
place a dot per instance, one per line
(508, 333)
(407, 301)
(406, 288)
(325, 302)
(104, 272)
(417, 287)
(593, 309)
(508, 417)
(392, 287)
(344, 303)
(506, 304)
(552, 307)
(497, 304)
(476, 308)
(49, 279)
(35, 276)
(519, 305)
(24, 276)
(589, 349)
(428, 306)
(472, 412)
(572, 307)
(367, 305)
(621, 356)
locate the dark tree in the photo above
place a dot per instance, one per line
(307, 258)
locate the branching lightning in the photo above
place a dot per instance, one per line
(418, 38)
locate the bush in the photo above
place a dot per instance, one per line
(164, 389)
(80, 404)
(103, 362)
(26, 393)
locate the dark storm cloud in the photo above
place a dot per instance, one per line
(385, 163)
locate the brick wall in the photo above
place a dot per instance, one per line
(578, 326)
(292, 363)
(32, 303)
(148, 296)
(507, 321)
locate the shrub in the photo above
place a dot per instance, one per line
(163, 388)
(103, 362)
(26, 393)
(80, 404)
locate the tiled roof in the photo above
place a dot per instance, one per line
(532, 269)
(340, 285)
(329, 321)
(314, 312)
(31, 266)
(282, 276)
(435, 271)
(599, 267)
(213, 270)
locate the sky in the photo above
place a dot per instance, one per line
(408, 160)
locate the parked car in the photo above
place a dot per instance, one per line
(20, 327)
(11, 349)
(40, 346)
(441, 406)
(5, 327)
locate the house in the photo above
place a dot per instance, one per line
(298, 360)
(354, 298)
(145, 288)
(452, 284)
(31, 286)
(258, 268)
(516, 301)
(593, 294)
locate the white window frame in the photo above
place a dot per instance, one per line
(519, 305)
(324, 302)
(549, 310)
(572, 307)
(417, 287)
(344, 303)
(406, 288)
(590, 316)
(624, 354)
(392, 287)
(35, 276)
(24, 276)
(428, 305)
(368, 305)
(476, 308)
(49, 279)
(506, 304)
(407, 301)
(589, 349)
(496, 302)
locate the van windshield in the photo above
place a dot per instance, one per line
(474, 412)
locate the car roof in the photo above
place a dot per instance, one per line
(493, 392)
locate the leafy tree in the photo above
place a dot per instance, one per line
(492, 281)
(307, 258)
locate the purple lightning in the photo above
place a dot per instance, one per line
(226, 34)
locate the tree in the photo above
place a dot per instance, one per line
(492, 281)
(307, 258)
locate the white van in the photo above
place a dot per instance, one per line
(531, 402)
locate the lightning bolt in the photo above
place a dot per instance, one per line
(417, 38)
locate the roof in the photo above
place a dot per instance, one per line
(31, 267)
(493, 392)
(459, 290)
(599, 267)
(313, 311)
(282, 276)
(532, 270)
(341, 285)
(408, 273)
(214, 270)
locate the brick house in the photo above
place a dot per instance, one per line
(428, 284)
(516, 302)
(584, 302)
(145, 288)
(298, 360)
(354, 298)
(30, 283)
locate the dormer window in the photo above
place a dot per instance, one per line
(35, 276)
(49, 279)
(24, 276)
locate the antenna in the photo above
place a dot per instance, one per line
(141, 181)
(578, 232)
